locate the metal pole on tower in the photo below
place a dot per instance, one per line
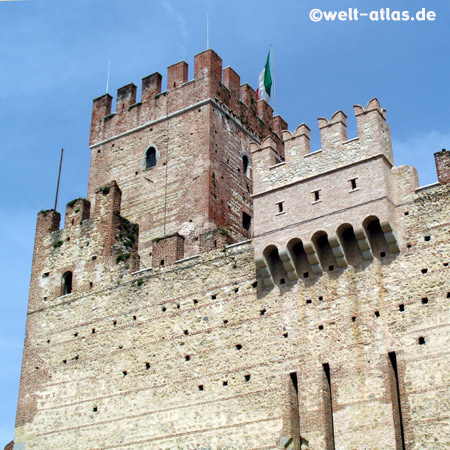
(273, 71)
(59, 178)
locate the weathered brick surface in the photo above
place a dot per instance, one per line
(201, 131)
(212, 350)
(442, 160)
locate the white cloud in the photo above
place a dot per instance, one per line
(174, 14)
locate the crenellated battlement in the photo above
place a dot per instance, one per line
(181, 156)
(91, 250)
(210, 83)
(336, 151)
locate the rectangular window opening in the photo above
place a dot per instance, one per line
(353, 183)
(280, 206)
(246, 221)
(316, 195)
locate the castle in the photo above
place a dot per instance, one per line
(223, 287)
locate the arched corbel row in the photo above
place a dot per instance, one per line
(390, 235)
(313, 258)
(338, 250)
(262, 267)
(364, 244)
(288, 264)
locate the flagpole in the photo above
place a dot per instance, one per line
(273, 70)
(59, 178)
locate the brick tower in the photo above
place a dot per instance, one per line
(181, 157)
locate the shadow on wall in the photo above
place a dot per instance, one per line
(308, 261)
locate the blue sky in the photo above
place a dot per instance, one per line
(54, 60)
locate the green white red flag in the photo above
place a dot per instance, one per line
(265, 82)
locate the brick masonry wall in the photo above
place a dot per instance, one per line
(201, 130)
(442, 160)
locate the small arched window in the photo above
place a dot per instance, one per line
(67, 283)
(150, 158)
(244, 164)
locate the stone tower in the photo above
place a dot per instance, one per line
(223, 287)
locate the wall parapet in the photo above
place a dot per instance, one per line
(93, 245)
(337, 150)
(209, 82)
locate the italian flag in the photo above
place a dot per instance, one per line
(265, 82)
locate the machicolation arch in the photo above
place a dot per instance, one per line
(326, 253)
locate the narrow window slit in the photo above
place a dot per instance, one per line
(328, 406)
(396, 401)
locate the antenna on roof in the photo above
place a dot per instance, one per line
(59, 177)
(207, 31)
(107, 78)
